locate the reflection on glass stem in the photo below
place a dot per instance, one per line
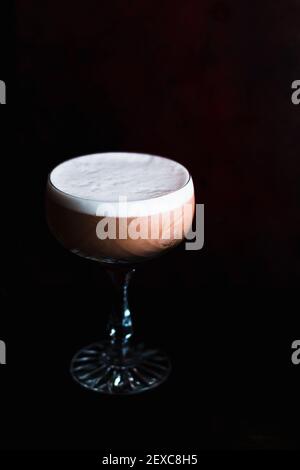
(120, 322)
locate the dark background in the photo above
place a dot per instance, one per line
(208, 84)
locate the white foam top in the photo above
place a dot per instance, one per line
(146, 184)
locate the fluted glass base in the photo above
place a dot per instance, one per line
(94, 368)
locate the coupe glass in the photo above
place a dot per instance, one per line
(117, 365)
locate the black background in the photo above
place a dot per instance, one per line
(208, 84)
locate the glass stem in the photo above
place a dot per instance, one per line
(120, 321)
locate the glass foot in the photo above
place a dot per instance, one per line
(95, 369)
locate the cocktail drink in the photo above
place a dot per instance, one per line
(119, 209)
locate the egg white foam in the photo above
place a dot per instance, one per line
(120, 184)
